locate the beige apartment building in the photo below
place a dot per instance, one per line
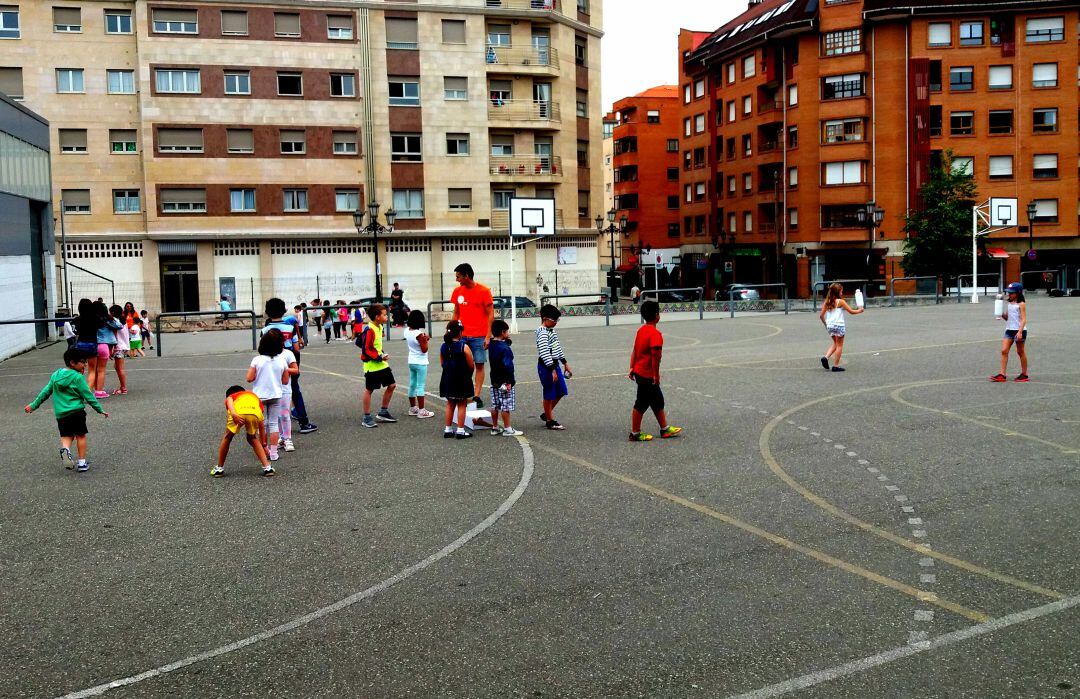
(219, 148)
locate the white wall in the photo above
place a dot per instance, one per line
(16, 288)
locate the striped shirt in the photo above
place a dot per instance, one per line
(548, 348)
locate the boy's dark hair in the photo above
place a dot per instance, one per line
(650, 311)
(233, 390)
(453, 331)
(101, 310)
(549, 311)
(498, 327)
(275, 308)
(272, 343)
(375, 310)
(115, 311)
(465, 269)
(72, 355)
(416, 320)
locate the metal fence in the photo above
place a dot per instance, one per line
(892, 288)
(246, 314)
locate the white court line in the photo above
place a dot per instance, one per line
(906, 651)
(526, 477)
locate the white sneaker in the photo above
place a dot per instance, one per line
(511, 432)
(414, 411)
(274, 455)
(217, 472)
(289, 445)
(424, 414)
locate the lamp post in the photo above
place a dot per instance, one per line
(870, 215)
(375, 228)
(611, 229)
(1032, 209)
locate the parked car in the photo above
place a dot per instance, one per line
(742, 293)
(669, 296)
(519, 301)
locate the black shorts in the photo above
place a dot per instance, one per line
(649, 395)
(72, 424)
(382, 378)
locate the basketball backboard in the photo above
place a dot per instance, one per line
(1003, 211)
(532, 217)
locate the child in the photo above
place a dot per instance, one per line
(244, 411)
(551, 365)
(146, 329)
(136, 338)
(69, 333)
(290, 329)
(456, 385)
(327, 321)
(1015, 317)
(266, 375)
(287, 363)
(503, 397)
(341, 321)
(121, 350)
(377, 373)
(106, 339)
(417, 340)
(70, 393)
(645, 372)
(832, 317)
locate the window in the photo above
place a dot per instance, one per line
(581, 51)
(9, 22)
(1046, 211)
(503, 145)
(183, 201)
(688, 160)
(287, 24)
(687, 128)
(747, 105)
(699, 89)
(793, 219)
(401, 34)
(180, 140)
(122, 141)
(339, 27)
(961, 79)
(939, 34)
(792, 95)
(935, 76)
(500, 199)
(295, 200)
(1045, 29)
(459, 199)
(841, 216)
(1000, 78)
(961, 123)
(971, 33)
(11, 82)
(405, 148)
(1044, 75)
(346, 200)
(935, 120)
(793, 136)
(120, 82)
(169, 21)
(652, 116)
(837, 87)
(731, 111)
(748, 182)
(76, 201)
(457, 144)
(747, 146)
(117, 22)
(405, 92)
(963, 165)
(69, 80)
(241, 200)
(793, 177)
(673, 174)
(72, 140)
(731, 184)
(673, 228)
(292, 141)
(498, 35)
(177, 81)
(730, 69)
(126, 201)
(1001, 121)
(673, 145)
(841, 130)
(729, 148)
(237, 82)
(345, 143)
(1045, 166)
(342, 85)
(455, 88)
(699, 123)
(1044, 120)
(67, 19)
(850, 172)
(699, 191)
(1001, 167)
(234, 23)
(453, 31)
(688, 192)
(748, 66)
(291, 84)
(582, 103)
(842, 42)
(748, 222)
(409, 203)
(240, 140)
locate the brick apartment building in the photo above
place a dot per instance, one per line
(211, 147)
(806, 110)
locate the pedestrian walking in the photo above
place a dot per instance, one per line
(70, 393)
(1016, 332)
(645, 372)
(832, 317)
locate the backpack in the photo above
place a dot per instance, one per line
(361, 342)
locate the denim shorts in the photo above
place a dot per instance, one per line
(476, 344)
(1016, 335)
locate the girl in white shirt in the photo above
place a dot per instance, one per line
(417, 341)
(1016, 331)
(267, 377)
(832, 317)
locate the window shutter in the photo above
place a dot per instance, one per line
(339, 21)
(1046, 208)
(852, 172)
(456, 83)
(1044, 72)
(345, 137)
(163, 15)
(292, 135)
(233, 22)
(122, 135)
(1001, 165)
(75, 197)
(11, 82)
(1044, 162)
(460, 198)
(834, 173)
(453, 31)
(240, 139)
(400, 31)
(286, 24)
(183, 196)
(940, 34)
(1045, 23)
(72, 138)
(1000, 76)
(180, 137)
(69, 16)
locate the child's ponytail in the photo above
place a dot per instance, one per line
(453, 331)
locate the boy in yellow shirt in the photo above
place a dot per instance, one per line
(244, 411)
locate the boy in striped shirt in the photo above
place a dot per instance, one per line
(551, 365)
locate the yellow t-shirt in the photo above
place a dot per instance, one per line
(377, 343)
(247, 405)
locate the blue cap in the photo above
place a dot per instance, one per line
(1014, 288)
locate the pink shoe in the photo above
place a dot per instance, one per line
(120, 392)
(100, 394)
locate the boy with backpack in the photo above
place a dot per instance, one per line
(70, 393)
(377, 373)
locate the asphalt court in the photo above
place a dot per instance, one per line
(905, 528)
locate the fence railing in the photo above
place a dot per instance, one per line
(549, 5)
(522, 56)
(604, 299)
(823, 284)
(975, 283)
(525, 165)
(524, 110)
(1055, 272)
(781, 286)
(247, 314)
(892, 288)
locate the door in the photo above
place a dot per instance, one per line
(179, 285)
(542, 99)
(542, 149)
(227, 288)
(541, 42)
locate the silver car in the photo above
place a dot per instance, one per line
(741, 293)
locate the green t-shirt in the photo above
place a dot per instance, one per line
(376, 341)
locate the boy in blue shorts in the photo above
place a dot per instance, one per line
(551, 365)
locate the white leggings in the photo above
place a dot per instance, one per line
(271, 413)
(285, 423)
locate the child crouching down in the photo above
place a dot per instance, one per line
(503, 398)
(456, 385)
(244, 412)
(70, 393)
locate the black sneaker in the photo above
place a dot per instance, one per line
(839, 368)
(385, 416)
(824, 363)
(463, 435)
(554, 425)
(448, 435)
(308, 428)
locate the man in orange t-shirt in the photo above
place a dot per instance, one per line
(645, 372)
(475, 308)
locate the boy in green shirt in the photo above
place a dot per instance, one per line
(70, 393)
(377, 373)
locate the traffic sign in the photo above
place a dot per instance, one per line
(1031, 255)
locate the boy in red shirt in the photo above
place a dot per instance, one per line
(645, 372)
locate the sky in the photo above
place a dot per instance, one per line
(640, 44)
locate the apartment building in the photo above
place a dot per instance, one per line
(813, 110)
(215, 148)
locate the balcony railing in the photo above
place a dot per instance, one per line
(768, 146)
(766, 106)
(524, 110)
(500, 219)
(512, 56)
(549, 5)
(526, 165)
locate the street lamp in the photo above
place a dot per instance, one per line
(1032, 209)
(611, 229)
(375, 228)
(870, 215)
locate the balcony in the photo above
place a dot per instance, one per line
(535, 168)
(542, 5)
(500, 220)
(766, 106)
(527, 114)
(525, 60)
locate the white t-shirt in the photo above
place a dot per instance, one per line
(283, 361)
(416, 356)
(136, 332)
(268, 371)
(123, 339)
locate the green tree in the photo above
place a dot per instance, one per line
(939, 234)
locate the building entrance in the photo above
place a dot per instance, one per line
(179, 285)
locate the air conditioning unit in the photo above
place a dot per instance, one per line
(483, 223)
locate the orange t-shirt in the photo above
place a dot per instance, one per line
(472, 307)
(641, 361)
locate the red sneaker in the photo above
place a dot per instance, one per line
(1022, 378)
(998, 378)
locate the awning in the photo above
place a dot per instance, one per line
(997, 253)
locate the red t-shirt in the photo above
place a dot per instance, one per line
(641, 361)
(472, 307)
